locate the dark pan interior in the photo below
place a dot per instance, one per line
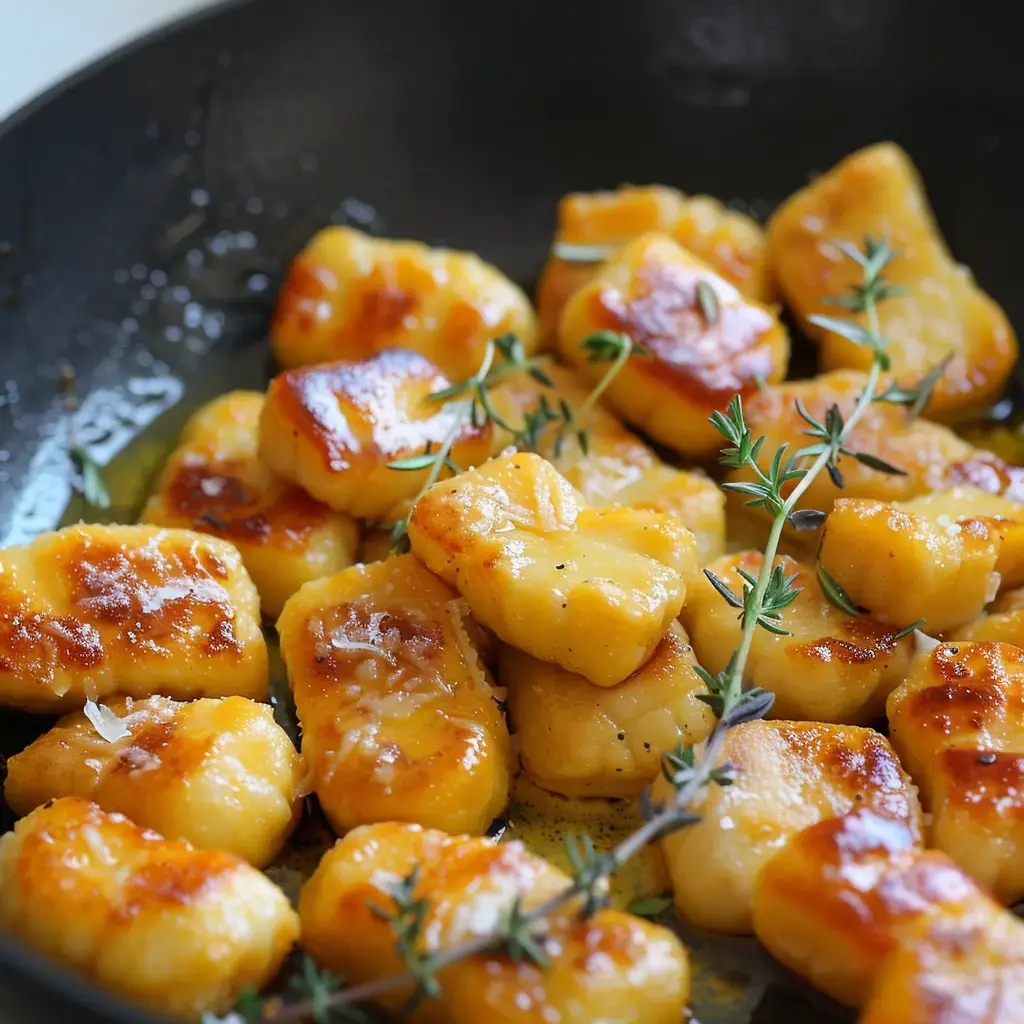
(203, 158)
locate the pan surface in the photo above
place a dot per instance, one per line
(148, 209)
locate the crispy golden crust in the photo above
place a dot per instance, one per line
(903, 566)
(651, 291)
(181, 930)
(963, 971)
(219, 773)
(94, 610)
(610, 967)
(843, 894)
(958, 723)
(877, 191)
(580, 740)
(729, 242)
(334, 428)
(833, 667)
(348, 296)
(1003, 622)
(399, 717)
(592, 590)
(214, 483)
(787, 776)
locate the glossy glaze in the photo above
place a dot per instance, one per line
(651, 291)
(348, 296)
(787, 776)
(214, 483)
(218, 772)
(181, 931)
(94, 610)
(399, 716)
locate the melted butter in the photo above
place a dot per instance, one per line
(542, 820)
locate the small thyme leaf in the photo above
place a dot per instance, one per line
(723, 589)
(605, 346)
(807, 519)
(520, 941)
(93, 487)
(707, 297)
(649, 906)
(415, 462)
(836, 595)
(907, 630)
(874, 462)
(574, 253)
(918, 396)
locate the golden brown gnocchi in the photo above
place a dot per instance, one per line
(94, 610)
(349, 296)
(1002, 622)
(786, 776)
(705, 342)
(906, 566)
(220, 773)
(182, 931)
(592, 590)
(334, 429)
(958, 724)
(582, 740)
(844, 893)
(941, 311)
(214, 483)
(833, 667)
(969, 970)
(730, 242)
(399, 716)
(610, 967)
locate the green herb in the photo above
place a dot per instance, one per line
(919, 395)
(573, 253)
(836, 595)
(91, 483)
(649, 906)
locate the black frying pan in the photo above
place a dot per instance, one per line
(204, 157)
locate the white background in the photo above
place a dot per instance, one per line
(41, 41)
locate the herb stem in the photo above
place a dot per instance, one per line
(602, 385)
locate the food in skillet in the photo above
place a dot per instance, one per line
(545, 599)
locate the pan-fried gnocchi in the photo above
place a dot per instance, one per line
(214, 483)
(786, 776)
(832, 667)
(941, 312)
(841, 895)
(592, 590)
(94, 610)
(400, 720)
(728, 241)
(180, 930)
(967, 970)
(958, 724)
(220, 773)
(616, 468)
(1002, 622)
(705, 342)
(582, 740)
(904, 566)
(348, 296)
(931, 456)
(334, 429)
(610, 967)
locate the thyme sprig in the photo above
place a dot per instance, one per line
(473, 406)
(522, 934)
